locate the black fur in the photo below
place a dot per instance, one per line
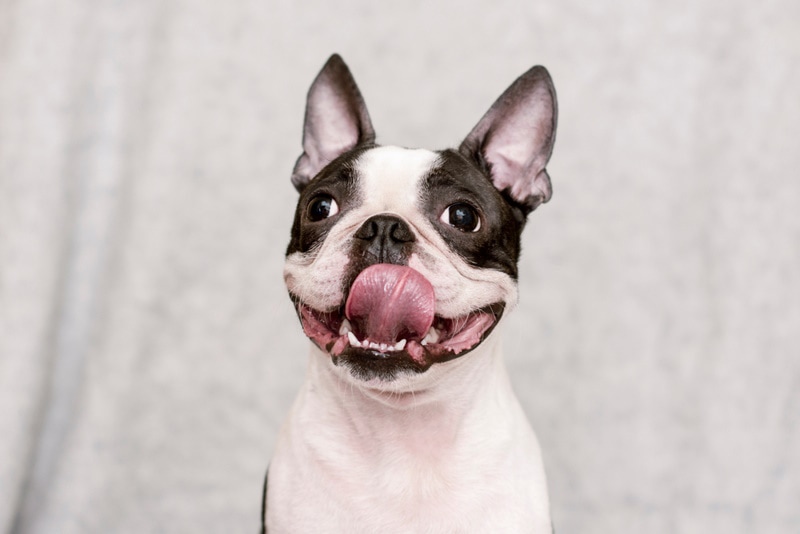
(264, 504)
(497, 243)
(339, 179)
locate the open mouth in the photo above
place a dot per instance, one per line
(388, 323)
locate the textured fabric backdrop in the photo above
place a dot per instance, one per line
(148, 352)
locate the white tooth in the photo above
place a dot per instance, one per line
(431, 337)
(384, 347)
(345, 328)
(375, 346)
(400, 345)
(365, 344)
(353, 339)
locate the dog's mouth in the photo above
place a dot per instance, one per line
(388, 324)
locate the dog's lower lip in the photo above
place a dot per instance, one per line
(446, 339)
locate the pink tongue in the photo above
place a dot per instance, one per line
(388, 303)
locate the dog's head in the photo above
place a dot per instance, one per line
(403, 258)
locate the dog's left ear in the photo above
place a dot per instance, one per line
(514, 140)
(336, 121)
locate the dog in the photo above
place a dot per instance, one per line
(401, 264)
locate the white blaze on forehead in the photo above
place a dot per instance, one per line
(390, 178)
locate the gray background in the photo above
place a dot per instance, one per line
(148, 352)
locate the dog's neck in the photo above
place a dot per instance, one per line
(435, 417)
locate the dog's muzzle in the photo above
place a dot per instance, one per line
(388, 324)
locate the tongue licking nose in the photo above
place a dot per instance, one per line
(390, 302)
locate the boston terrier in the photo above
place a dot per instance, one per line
(401, 264)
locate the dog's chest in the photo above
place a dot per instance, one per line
(431, 474)
(405, 494)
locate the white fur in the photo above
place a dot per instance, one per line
(445, 451)
(452, 454)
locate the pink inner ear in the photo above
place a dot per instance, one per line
(516, 138)
(336, 120)
(330, 128)
(508, 155)
(517, 146)
(522, 178)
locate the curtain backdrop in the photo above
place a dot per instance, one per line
(149, 353)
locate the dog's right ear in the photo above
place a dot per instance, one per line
(514, 139)
(336, 121)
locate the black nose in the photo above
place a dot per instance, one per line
(385, 239)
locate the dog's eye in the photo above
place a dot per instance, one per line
(322, 207)
(462, 216)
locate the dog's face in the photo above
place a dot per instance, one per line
(400, 259)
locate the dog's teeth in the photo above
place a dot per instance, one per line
(345, 328)
(367, 344)
(353, 339)
(431, 337)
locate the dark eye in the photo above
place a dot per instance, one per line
(462, 216)
(322, 207)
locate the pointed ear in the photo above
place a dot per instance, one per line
(514, 140)
(336, 121)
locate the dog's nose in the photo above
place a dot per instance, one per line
(386, 238)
